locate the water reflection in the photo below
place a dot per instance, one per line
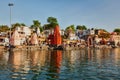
(55, 64)
(38, 60)
(4, 57)
(81, 64)
(18, 64)
(17, 59)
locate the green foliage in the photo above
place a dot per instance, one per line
(41, 29)
(47, 26)
(36, 24)
(70, 28)
(17, 25)
(67, 31)
(22, 24)
(73, 27)
(117, 30)
(52, 22)
(4, 28)
(83, 27)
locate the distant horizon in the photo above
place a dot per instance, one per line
(101, 14)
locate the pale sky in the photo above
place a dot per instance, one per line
(103, 14)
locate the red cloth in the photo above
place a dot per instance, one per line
(57, 36)
(51, 38)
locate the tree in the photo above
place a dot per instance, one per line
(117, 30)
(36, 24)
(41, 29)
(52, 22)
(4, 28)
(22, 24)
(83, 27)
(70, 28)
(17, 25)
(46, 26)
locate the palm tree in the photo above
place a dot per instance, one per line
(36, 24)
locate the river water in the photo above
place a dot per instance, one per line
(84, 64)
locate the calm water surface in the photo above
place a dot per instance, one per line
(84, 64)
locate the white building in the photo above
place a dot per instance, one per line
(90, 31)
(27, 31)
(51, 31)
(62, 32)
(24, 30)
(72, 36)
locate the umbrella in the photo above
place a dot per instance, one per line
(57, 36)
(15, 39)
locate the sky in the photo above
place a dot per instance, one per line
(100, 14)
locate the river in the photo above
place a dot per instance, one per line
(84, 64)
